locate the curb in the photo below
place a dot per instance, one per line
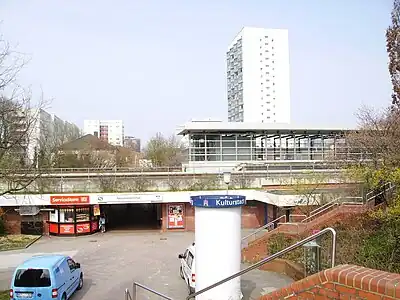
(32, 242)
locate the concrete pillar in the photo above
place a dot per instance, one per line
(218, 244)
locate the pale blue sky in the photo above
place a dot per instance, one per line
(157, 64)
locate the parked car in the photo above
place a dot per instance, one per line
(187, 269)
(46, 277)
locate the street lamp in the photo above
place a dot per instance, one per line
(227, 180)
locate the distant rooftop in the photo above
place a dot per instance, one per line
(246, 127)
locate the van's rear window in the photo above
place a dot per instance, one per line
(32, 278)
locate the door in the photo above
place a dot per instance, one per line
(32, 284)
(188, 272)
(184, 265)
(73, 277)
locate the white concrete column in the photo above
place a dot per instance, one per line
(218, 244)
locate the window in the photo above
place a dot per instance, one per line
(54, 216)
(32, 278)
(67, 215)
(71, 264)
(189, 260)
(83, 214)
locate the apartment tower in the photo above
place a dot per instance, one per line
(258, 83)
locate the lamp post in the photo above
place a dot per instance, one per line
(227, 180)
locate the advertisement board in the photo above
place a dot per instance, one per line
(83, 227)
(96, 210)
(67, 228)
(176, 216)
(69, 199)
(94, 226)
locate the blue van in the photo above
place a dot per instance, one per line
(46, 277)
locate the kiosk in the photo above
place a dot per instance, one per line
(218, 244)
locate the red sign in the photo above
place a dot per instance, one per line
(175, 216)
(67, 228)
(95, 226)
(82, 227)
(68, 200)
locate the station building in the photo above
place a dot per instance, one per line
(211, 146)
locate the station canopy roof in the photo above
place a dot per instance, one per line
(218, 127)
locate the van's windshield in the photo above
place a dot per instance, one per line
(32, 278)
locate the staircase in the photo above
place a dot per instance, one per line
(254, 245)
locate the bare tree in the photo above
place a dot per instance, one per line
(308, 187)
(378, 138)
(393, 50)
(19, 122)
(164, 152)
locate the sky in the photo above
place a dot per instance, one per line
(157, 64)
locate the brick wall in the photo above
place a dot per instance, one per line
(258, 249)
(343, 282)
(252, 216)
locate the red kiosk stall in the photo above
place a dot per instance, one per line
(72, 215)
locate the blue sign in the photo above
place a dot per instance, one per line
(218, 201)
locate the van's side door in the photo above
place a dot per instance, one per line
(184, 265)
(189, 261)
(73, 277)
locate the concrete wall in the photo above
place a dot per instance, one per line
(175, 182)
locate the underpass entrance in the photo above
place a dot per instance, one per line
(141, 216)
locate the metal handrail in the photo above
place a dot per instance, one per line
(134, 294)
(274, 256)
(337, 200)
(320, 212)
(264, 227)
(391, 187)
(271, 163)
(128, 295)
(373, 191)
(315, 211)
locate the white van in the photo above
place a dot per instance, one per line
(187, 269)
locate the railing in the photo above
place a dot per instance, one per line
(371, 196)
(262, 228)
(274, 256)
(267, 166)
(128, 295)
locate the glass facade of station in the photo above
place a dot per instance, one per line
(266, 147)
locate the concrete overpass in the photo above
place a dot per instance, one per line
(176, 179)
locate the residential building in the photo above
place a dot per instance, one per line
(258, 80)
(47, 131)
(132, 143)
(111, 131)
(90, 151)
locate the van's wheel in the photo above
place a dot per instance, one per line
(181, 273)
(64, 296)
(80, 285)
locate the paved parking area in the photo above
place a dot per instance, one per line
(112, 261)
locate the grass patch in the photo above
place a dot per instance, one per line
(13, 242)
(5, 295)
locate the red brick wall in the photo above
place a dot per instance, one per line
(343, 282)
(45, 218)
(252, 216)
(188, 218)
(258, 249)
